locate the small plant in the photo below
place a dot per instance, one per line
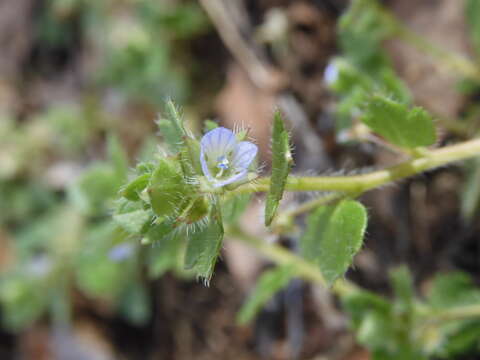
(174, 209)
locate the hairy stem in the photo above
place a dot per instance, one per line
(312, 205)
(357, 184)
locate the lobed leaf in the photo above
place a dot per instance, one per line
(281, 164)
(402, 127)
(333, 236)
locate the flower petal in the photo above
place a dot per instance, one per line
(243, 154)
(218, 142)
(205, 169)
(237, 177)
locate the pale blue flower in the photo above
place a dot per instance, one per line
(224, 159)
(331, 73)
(121, 252)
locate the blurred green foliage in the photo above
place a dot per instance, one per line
(406, 328)
(61, 176)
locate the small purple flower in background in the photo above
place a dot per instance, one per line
(224, 159)
(121, 252)
(331, 73)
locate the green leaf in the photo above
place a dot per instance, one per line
(93, 191)
(402, 127)
(355, 87)
(281, 164)
(134, 221)
(371, 317)
(190, 157)
(267, 285)
(167, 189)
(361, 30)
(375, 330)
(358, 303)
(197, 211)
(204, 246)
(23, 300)
(461, 342)
(132, 190)
(172, 128)
(334, 235)
(158, 232)
(387, 333)
(453, 289)
(388, 82)
(96, 274)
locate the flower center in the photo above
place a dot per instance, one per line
(222, 164)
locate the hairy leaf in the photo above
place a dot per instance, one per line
(334, 235)
(167, 189)
(171, 127)
(132, 190)
(204, 246)
(134, 221)
(281, 165)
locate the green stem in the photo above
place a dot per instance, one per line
(358, 184)
(311, 205)
(282, 256)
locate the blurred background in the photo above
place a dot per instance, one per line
(81, 83)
